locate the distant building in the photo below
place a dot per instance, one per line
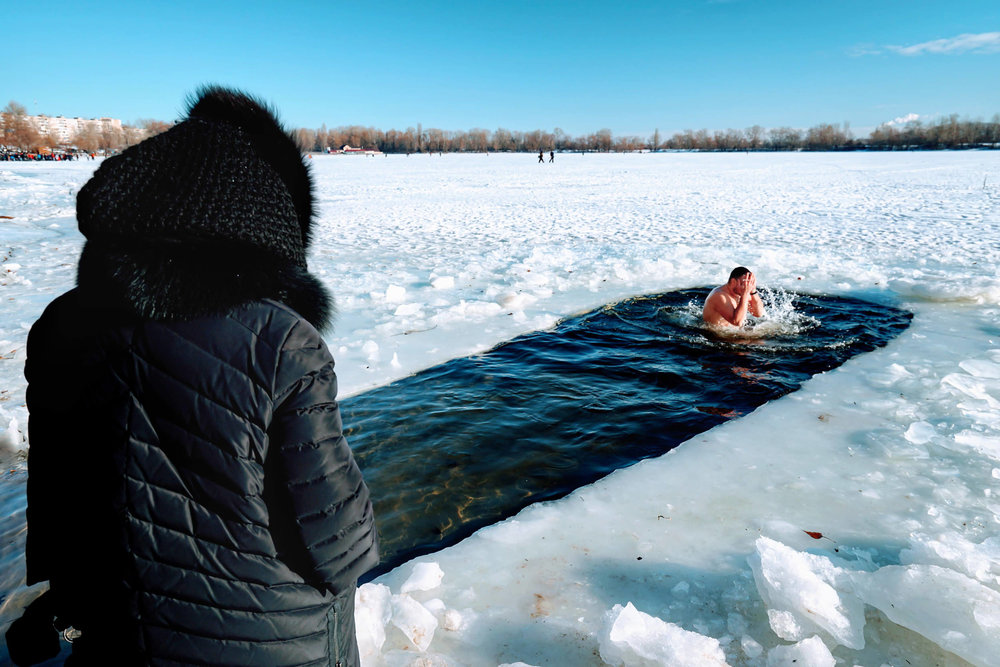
(65, 129)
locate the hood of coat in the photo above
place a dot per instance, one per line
(214, 212)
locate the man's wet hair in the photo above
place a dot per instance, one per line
(738, 272)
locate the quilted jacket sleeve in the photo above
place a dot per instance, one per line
(321, 515)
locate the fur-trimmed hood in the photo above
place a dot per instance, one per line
(171, 280)
(214, 212)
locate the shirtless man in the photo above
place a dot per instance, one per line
(728, 304)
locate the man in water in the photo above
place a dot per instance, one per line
(728, 305)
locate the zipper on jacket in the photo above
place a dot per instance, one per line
(333, 628)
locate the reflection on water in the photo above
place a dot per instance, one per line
(474, 440)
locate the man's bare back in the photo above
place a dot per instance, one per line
(728, 305)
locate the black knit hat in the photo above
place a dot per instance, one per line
(229, 173)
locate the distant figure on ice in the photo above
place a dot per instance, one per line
(552, 156)
(191, 496)
(727, 305)
(541, 156)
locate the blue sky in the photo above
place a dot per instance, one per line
(631, 67)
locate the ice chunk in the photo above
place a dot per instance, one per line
(811, 652)
(415, 621)
(785, 625)
(751, 647)
(947, 607)
(920, 433)
(11, 439)
(452, 620)
(443, 282)
(424, 577)
(890, 376)
(984, 444)
(372, 610)
(634, 638)
(395, 294)
(971, 387)
(802, 585)
(407, 309)
(980, 368)
(951, 550)
(370, 348)
(435, 606)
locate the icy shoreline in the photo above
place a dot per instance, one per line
(719, 541)
(894, 458)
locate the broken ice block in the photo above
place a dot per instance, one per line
(415, 621)
(634, 638)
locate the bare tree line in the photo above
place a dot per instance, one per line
(949, 132)
(19, 133)
(434, 140)
(945, 133)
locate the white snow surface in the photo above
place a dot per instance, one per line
(893, 459)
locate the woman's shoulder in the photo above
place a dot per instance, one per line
(277, 321)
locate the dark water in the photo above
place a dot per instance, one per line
(472, 441)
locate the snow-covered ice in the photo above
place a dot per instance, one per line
(852, 522)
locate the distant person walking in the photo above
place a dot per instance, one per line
(552, 156)
(191, 496)
(541, 157)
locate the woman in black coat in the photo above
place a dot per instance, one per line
(191, 496)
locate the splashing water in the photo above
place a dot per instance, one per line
(781, 324)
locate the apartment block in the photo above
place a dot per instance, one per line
(67, 128)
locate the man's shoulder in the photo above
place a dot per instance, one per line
(717, 294)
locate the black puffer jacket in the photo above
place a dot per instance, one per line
(191, 496)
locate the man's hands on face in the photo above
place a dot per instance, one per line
(748, 284)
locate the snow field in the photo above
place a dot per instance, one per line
(893, 459)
